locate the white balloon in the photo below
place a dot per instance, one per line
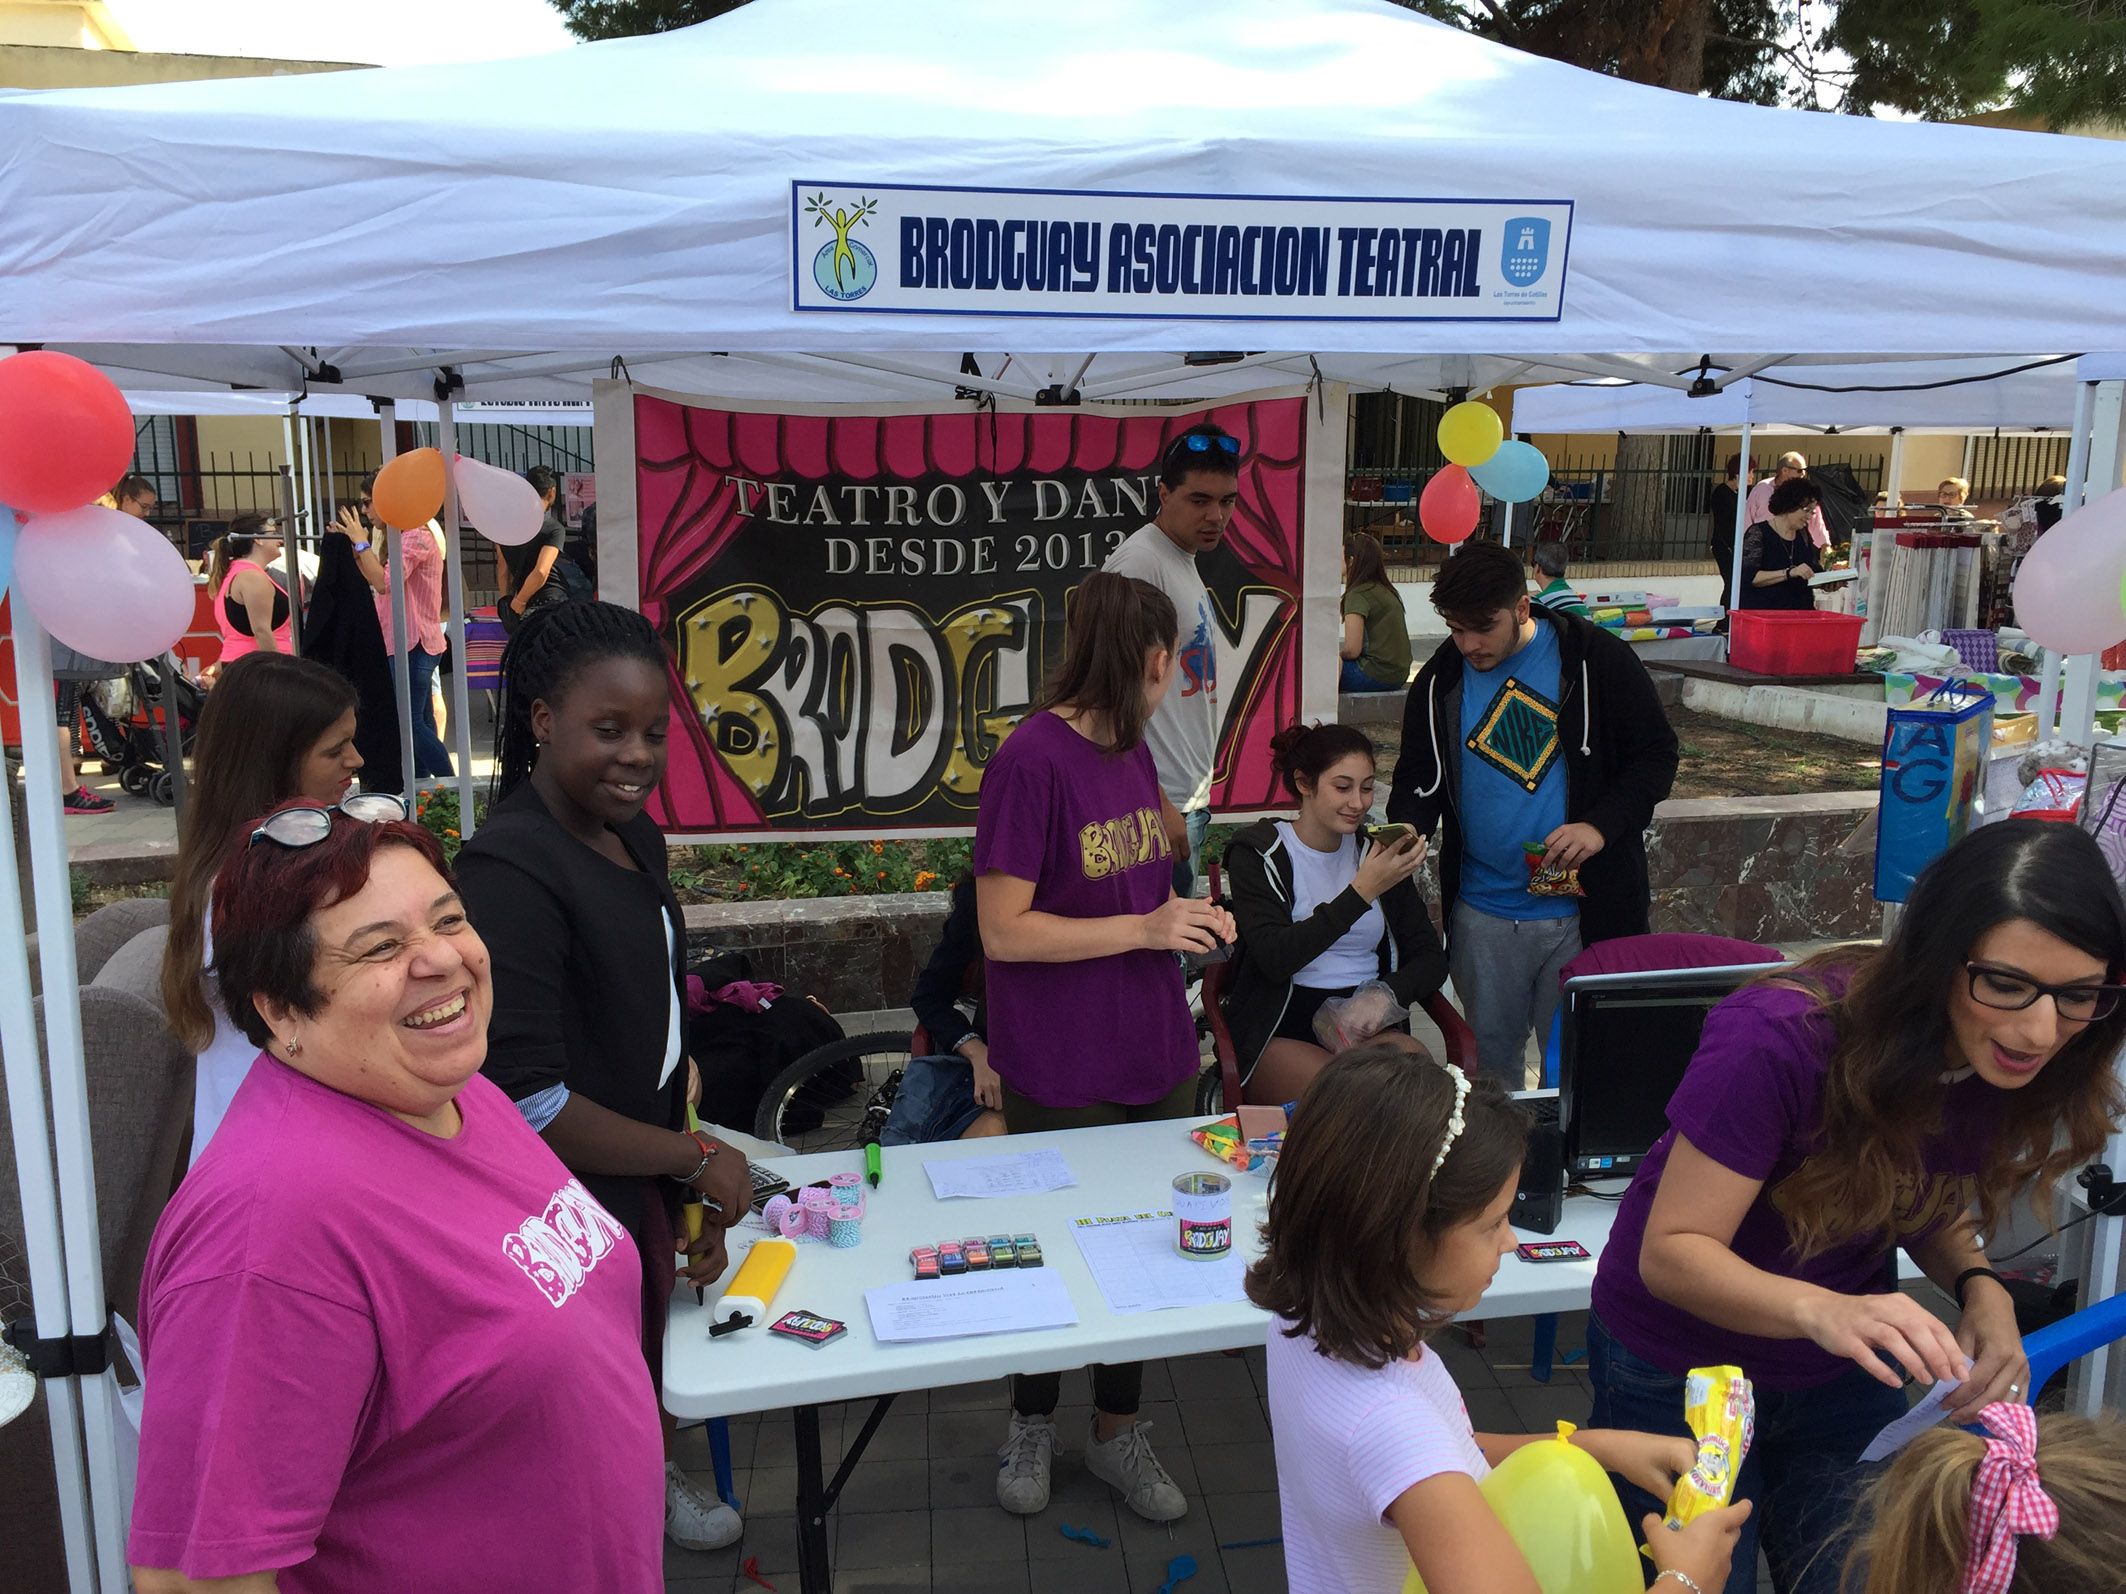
(2067, 592)
(104, 583)
(497, 503)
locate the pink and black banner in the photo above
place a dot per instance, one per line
(859, 607)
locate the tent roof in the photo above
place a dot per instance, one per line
(635, 197)
(1968, 395)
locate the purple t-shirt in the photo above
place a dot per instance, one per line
(1752, 1100)
(1084, 828)
(380, 1360)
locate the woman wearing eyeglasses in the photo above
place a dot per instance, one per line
(250, 607)
(1870, 1100)
(389, 1341)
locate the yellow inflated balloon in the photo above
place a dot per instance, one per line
(1561, 1512)
(1470, 433)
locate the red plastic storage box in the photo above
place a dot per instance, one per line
(1781, 642)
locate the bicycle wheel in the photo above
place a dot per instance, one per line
(836, 1096)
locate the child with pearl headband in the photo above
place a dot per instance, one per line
(1387, 1219)
(2031, 1505)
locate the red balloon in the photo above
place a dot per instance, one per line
(66, 435)
(1449, 505)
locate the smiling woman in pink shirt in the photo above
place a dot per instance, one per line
(389, 1342)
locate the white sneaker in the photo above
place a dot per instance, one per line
(694, 1520)
(1022, 1477)
(1126, 1461)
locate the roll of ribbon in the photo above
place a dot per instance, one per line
(792, 1224)
(847, 1188)
(844, 1233)
(775, 1211)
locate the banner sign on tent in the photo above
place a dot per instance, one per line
(1048, 252)
(859, 607)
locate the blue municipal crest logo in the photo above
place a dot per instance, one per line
(1524, 255)
(843, 268)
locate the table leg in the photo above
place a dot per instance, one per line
(815, 1574)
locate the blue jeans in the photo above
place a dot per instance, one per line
(935, 1102)
(1356, 680)
(1803, 1472)
(430, 756)
(1186, 869)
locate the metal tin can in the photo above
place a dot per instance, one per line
(1203, 1215)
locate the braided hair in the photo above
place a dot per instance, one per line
(549, 650)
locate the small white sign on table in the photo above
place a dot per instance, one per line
(1139, 1268)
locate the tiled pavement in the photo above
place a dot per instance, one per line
(919, 1515)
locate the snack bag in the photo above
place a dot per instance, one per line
(1544, 881)
(1721, 1409)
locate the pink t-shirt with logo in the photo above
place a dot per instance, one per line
(381, 1360)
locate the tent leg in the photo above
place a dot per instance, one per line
(74, 1158)
(1742, 498)
(460, 711)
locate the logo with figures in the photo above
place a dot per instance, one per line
(1525, 254)
(843, 268)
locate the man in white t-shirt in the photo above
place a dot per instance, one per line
(1199, 483)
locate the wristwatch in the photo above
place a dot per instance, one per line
(360, 547)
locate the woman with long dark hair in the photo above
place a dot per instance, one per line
(1088, 1025)
(274, 727)
(1872, 1099)
(566, 884)
(1376, 640)
(250, 607)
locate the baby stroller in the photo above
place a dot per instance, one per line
(122, 724)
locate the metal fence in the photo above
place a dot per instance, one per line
(2009, 467)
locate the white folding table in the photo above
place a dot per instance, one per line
(1125, 1169)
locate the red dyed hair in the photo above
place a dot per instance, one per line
(265, 897)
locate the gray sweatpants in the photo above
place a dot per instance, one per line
(1505, 974)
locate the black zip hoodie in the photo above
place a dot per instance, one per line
(1273, 947)
(1620, 760)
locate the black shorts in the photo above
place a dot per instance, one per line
(66, 697)
(1298, 1021)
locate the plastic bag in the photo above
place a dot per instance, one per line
(1347, 1020)
(1721, 1408)
(1546, 881)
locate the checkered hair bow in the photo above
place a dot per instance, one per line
(2007, 1501)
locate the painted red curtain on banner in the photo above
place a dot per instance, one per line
(859, 607)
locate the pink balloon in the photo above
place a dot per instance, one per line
(104, 583)
(497, 503)
(2067, 591)
(1449, 506)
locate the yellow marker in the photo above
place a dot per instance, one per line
(752, 1290)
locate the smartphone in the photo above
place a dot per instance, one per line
(1393, 835)
(1551, 1251)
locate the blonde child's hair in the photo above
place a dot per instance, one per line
(1917, 1538)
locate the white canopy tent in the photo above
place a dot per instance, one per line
(509, 230)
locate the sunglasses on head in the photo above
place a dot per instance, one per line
(1203, 443)
(306, 827)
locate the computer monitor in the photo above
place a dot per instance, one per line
(1626, 1041)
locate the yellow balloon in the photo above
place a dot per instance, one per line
(1470, 433)
(1561, 1512)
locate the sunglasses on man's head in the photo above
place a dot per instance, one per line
(1203, 443)
(306, 827)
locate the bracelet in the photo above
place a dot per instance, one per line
(1684, 1578)
(709, 1148)
(360, 547)
(1970, 1273)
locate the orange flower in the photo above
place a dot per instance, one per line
(924, 879)
(878, 847)
(882, 874)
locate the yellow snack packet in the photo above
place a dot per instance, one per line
(1721, 1409)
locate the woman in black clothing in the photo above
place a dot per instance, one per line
(952, 1093)
(566, 884)
(1322, 907)
(1777, 558)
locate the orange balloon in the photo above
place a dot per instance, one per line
(409, 490)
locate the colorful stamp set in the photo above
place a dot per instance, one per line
(948, 1258)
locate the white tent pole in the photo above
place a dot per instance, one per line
(454, 563)
(71, 1131)
(1896, 483)
(1742, 499)
(332, 492)
(2078, 446)
(401, 674)
(40, 1209)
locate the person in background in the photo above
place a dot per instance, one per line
(2033, 1505)
(1392, 1200)
(388, 1341)
(1557, 593)
(952, 1093)
(1951, 495)
(1322, 908)
(1720, 505)
(1088, 1022)
(1528, 728)
(1376, 642)
(275, 727)
(529, 566)
(1199, 483)
(1776, 563)
(135, 495)
(250, 606)
(567, 884)
(1873, 1099)
(423, 552)
(1791, 466)
(2051, 502)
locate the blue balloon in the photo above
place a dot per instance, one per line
(1515, 474)
(8, 528)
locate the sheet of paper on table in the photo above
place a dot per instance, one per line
(1022, 1173)
(1135, 1262)
(973, 1303)
(1896, 1435)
